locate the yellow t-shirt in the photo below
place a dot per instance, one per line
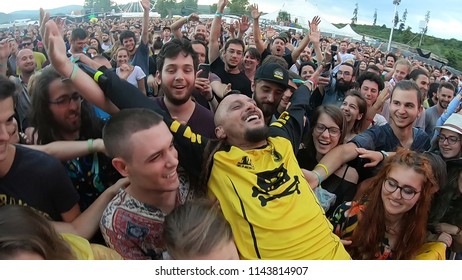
(273, 212)
(84, 250)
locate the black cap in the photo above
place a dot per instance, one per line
(273, 72)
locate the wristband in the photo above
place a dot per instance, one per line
(218, 14)
(91, 149)
(384, 155)
(319, 177)
(97, 75)
(74, 72)
(323, 167)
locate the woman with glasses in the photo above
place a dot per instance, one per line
(390, 221)
(328, 130)
(446, 211)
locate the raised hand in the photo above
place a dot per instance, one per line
(254, 11)
(244, 24)
(5, 50)
(146, 4)
(222, 4)
(193, 17)
(373, 156)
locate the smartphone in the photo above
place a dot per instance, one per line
(333, 48)
(205, 70)
(326, 70)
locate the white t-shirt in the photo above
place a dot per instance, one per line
(136, 75)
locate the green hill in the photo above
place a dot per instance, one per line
(449, 49)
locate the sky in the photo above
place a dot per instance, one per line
(445, 20)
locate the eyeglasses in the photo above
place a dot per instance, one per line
(65, 100)
(407, 193)
(451, 139)
(333, 131)
(26, 44)
(231, 51)
(341, 73)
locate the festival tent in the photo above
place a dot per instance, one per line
(349, 32)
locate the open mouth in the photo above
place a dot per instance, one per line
(252, 117)
(171, 175)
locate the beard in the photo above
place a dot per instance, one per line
(175, 100)
(199, 37)
(257, 134)
(343, 86)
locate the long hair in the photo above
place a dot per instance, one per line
(42, 119)
(362, 108)
(371, 228)
(24, 230)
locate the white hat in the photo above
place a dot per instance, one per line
(453, 123)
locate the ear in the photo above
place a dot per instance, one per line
(121, 166)
(158, 77)
(253, 86)
(360, 116)
(220, 132)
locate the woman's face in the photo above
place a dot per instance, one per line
(323, 140)
(407, 180)
(307, 72)
(447, 149)
(350, 109)
(362, 66)
(122, 57)
(94, 43)
(250, 62)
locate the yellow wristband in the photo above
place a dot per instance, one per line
(97, 75)
(323, 167)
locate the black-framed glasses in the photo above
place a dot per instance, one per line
(391, 185)
(333, 131)
(26, 44)
(65, 100)
(451, 139)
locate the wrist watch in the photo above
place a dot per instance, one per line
(384, 154)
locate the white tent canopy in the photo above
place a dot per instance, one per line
(349, 32)
(303, 12)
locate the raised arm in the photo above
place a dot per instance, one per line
(56, 50)
(214, 45)
(259, 44)
(314, 35)
(5, 50)
(176, 26)
(146, 4)
(67, 150)
(243, 27)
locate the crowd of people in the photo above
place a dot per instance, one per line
(205, 139)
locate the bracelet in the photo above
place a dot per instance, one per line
(91, 149)
(319, 177)
(384, 155)
(218, 14)
(74, 72)
(323, 167)
(210, 100)
(97, 75)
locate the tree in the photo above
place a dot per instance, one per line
(354, 19)
(407, 35)
(403, 20)
(396, 20)
(238, 7)
(375, 17)
(165, 7)
(97, 6)
(213, 8)
(283, 16)
(427, 19)
(188, 7)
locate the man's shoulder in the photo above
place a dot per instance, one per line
(28, 156)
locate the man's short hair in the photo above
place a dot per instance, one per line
(167, 28)
(370, 76)
(447, 85)
(351, 65)
(417, 72)
(173, 48)
(408, 85)
(78, 34)
(391, 55)
(122, 126)
(236, 42)
(7, 88)
(127, 34)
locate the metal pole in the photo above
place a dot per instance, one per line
(392, 25)
(396, 3)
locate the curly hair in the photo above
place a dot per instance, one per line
(370, 231)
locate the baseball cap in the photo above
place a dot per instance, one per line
(273, 72)
(453, 123)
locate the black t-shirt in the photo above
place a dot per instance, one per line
(286, 57)
(238, 81)
(38, 180)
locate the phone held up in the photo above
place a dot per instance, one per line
(205, 70)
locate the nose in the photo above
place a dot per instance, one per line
(270, 97)
(172, 158)
(4, 135)
(397, 194)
